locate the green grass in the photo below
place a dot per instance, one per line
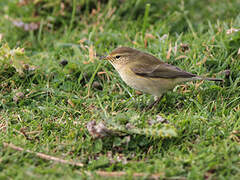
(55, 103)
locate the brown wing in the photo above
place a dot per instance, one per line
(160, 70)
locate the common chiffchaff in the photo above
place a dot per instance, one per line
(146, 73)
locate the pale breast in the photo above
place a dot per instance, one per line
(148, 85)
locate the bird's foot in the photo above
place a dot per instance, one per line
(155, 102)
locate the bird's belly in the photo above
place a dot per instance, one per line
(154, 86)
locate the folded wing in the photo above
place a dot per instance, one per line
(161, 70)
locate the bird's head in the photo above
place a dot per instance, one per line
(121, 56)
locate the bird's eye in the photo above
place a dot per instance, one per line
(117, 57)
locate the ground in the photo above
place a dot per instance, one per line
(53, 84)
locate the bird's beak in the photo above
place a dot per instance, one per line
(103, 57)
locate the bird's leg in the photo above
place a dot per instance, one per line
(155, 102)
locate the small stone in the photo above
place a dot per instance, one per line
(64, 62)
(184, 47)
(97, 130)
(130, 126)
(18, 96)
(159, 120)
(97, 85)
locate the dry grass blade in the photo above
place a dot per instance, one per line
(169, 52)
(43, 156)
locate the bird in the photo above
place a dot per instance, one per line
(146, 73)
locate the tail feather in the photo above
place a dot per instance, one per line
(208, 79)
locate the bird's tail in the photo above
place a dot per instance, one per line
(208, 79)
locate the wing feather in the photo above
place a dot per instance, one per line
(158, 69)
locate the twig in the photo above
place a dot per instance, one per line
(122, 173)
(43, 156)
